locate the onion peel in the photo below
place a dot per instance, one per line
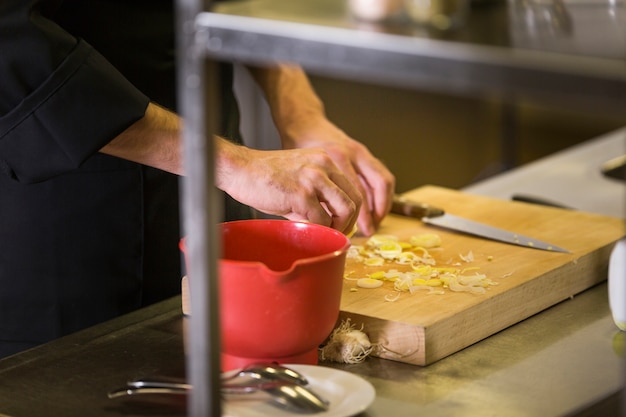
(346, 344)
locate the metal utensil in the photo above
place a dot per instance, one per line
(270, 371)
(254, 377)
(130, 390)
(297, 398)
(288, 396)
(541, 201)
(438, 217)
(237, 387)
(174, 386)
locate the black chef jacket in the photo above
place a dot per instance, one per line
(86, 236)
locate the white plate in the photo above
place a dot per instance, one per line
(347, 393)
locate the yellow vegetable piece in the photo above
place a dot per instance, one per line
(377, 240)
(369, 283)
(389, 250)
(419, 281)
(422, 269)
(405, 245)
(426, 240)
(374, 261)
(377, 275)
(406, 257)
(445, 270)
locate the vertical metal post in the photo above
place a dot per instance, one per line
(198, 98)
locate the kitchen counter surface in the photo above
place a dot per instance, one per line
(566, 360)
(572, 177)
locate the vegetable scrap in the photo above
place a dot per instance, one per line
(369, 283)
(417, 268)
(346, 344)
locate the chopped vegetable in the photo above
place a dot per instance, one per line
(392, 297)
(418, 270)
(389, 250)
(376, 240)
(346, 344)
(374, 261)
(377, 275)
(427, 240)
(354, 252)
(369, 283)
(467, 258)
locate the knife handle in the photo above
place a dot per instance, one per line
(405, 207)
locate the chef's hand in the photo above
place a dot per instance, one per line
(374, 181)
(300, 118)
(299, 184)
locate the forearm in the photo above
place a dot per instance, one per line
(154, 140)
(292, 100)
(231, 160)
(296, 184)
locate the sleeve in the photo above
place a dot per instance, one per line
(61, 101)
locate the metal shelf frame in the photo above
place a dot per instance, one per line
(590, 83)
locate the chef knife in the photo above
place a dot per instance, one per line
(438, 217)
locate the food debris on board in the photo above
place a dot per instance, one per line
(417, 269)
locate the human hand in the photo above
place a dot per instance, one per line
(299, 184)
(299, 116)
(374, 181)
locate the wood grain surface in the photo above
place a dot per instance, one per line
(420, 328)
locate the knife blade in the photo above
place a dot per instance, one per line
(436, 216)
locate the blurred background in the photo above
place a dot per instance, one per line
(431, 138)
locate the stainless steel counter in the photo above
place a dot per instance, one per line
(571, 177)
(563, 361)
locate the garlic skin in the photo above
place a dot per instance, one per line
(375, 10)
(346, 345)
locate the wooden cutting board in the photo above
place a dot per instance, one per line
(421, 328)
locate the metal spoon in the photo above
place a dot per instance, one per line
(270, 371)
(291, 397)
(251, 377)
(160, 386)
(297, 398)
(239, 387)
